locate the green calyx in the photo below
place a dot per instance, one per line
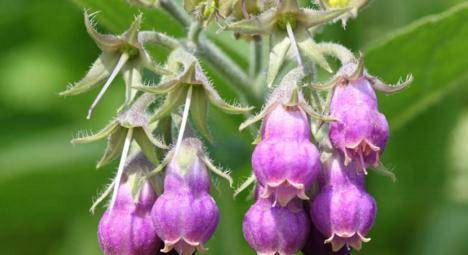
(130, 50)
(285, 19)
(185, 158)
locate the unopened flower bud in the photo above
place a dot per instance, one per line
(343, 211)
(273, 229)
(128, 228)
(185, 216)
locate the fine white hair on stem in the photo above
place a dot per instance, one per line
(245, 184)
(102, 196)
(337, 50)
(183, 124)
(122, 60)
(123, 159)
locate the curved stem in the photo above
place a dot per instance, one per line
(123, 59)
(176, 11)
(228, 68)
(123, 159)
(255, 57)
(337, 50)
(183, 124)
(222, 63)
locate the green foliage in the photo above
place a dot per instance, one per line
(432, 49)
(46, 185)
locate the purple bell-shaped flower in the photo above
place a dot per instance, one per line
(185, 215)
(271, 229)
(343, 211)
(128, 229)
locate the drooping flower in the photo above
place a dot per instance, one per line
(271, 229)
(185, 216)
(128, 228)
(343, 211)
(361, 131)
(285, 162)
(286, 168)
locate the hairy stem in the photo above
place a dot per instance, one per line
(221, 62)
(123, 160)
(224, 65)
(183, 124)
(255, 57)
(123, 59)
(176, 12)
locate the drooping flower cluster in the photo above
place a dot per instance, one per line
(184, 217)
(286, 164)
(314, 146)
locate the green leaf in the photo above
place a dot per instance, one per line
(433, 49)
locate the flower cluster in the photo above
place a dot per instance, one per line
(286, 164)
(312, 152)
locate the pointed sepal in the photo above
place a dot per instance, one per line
(103, 133)
(199, 112)
(309, 49)
(105, 42)
(223, 174)
(99, 71)
(389, 88)
(115, 144)
(278, 56)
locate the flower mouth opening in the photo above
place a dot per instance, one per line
(339, 240)
(365, 152)
(183, 246)
(284, 191)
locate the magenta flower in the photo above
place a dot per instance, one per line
(343, 211)
(285, 162)
(361, 131)
(185, 216)
(286, 122)
(273, 229)
(128, 229)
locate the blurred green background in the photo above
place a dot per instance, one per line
(47, 185)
